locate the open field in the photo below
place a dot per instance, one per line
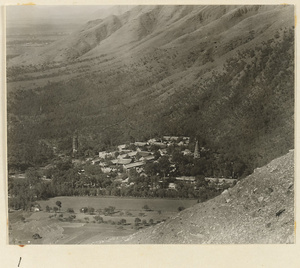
(57, 228)
(132, 204)
(17, 44)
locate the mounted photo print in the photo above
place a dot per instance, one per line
(150, 124)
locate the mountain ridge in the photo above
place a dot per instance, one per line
(228, 83)
(133, 26)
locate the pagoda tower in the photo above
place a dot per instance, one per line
(75, 144)
(196, 152)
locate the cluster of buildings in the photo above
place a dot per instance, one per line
(218, 182)
(136, 155)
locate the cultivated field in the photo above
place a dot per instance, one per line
(84, 228)
(132, 204)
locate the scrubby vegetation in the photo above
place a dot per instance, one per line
(236, 97)
(240, 110)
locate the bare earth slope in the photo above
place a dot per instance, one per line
(258, 210)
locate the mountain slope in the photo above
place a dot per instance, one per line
(161, 26)
(221, 74)
(112, 10)
(258, 210)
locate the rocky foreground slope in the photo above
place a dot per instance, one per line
(259, 209)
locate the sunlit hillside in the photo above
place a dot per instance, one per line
(223, 74)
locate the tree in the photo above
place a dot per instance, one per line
(72, 217)
(200, 181)
(178, 157)
(137, 221)
(110, 210)
(99, 210)
(132, 147)
(58, 203)
(151, 169)
(36, 236)
(98, 219)
(32, 176)
(123, 221)
(91, 210)
(197, 169)
(84, 210)
(145, 207)
(164, 165)
(64, 165)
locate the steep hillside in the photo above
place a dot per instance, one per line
(163, 26)
(223, 74)
(112, 10)
(258, 210)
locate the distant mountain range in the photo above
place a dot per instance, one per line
(69, 17)
(223, 74)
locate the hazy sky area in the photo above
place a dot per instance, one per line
(65, 19)
(41, 12)
(16, 15)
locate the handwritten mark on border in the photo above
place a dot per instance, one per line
(19, 261)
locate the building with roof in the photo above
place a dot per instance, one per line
(123, 155)
(189, 179)
(122, 147)
(95, 161)
(132, 154)
(143, 153)
(172, 186)
(102, 154)
(151, 141)
(133, 165)
(147, 158)
(187, 152)
(170, 138)
(162, 151)
(140, 143)
(107, 169)
(221, 180)
(105, 154)
(121, 161)
(159, 144)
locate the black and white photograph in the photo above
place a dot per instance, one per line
(150, 124)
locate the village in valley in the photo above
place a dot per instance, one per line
(125, 188)
(161, 159)
(167, 167)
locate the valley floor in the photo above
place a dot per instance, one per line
(57, 228)
(258, 210)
